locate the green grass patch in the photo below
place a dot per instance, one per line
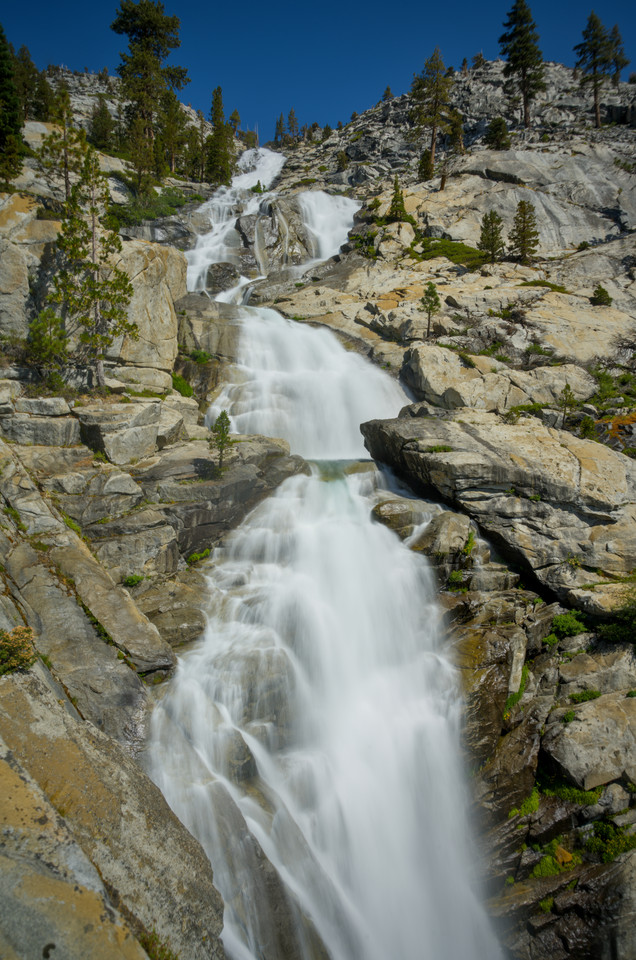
(584, 695)
(456, 252)
(196, 557)
(546, 905)
(181, 385)
(529, 805)
(200, 356)
(544, 283)
(439, 448)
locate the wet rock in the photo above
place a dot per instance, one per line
(221, 276)
(402, 514)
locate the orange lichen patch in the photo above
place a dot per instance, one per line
(617, 423)
(562, 856)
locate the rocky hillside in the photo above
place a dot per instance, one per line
(109, 503)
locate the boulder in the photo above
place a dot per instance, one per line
(598, 745)
(56, 431)
(155, 873)
(123, 432)
(52, 896)
(562, 506)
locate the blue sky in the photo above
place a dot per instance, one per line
(325, 60)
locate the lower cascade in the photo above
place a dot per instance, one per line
(310, 740)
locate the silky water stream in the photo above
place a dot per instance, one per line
(310, 740)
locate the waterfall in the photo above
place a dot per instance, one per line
(328, 220)
(310, 740)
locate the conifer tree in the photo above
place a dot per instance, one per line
(220, 158)
(617, 54)
(456, 132)
(10, 116)
(62, 152)
(425, 169)
(524, 237)
(292, 124)
(92, 293)
(594, 60)
(26, 80)
(102, 126)
(464, 67)
(221, 436)
(397, 211)
(43, 99)
(524, 62)
(279, 133)
(431, 94)
(497, 135)
(172, 128)
(152, 35)
(48, 342)
(491, 239)
(431, 303)
(234, 121)
(387, 95)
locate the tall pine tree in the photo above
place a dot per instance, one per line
(220, 153)
(62, 153)
(491, 239)
(10, 116)
(430, 91)
(152, 35)
(93, 294)
(617, 54)
(594, 60)
(524, 236)
(524, 62)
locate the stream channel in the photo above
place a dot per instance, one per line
(310, 739)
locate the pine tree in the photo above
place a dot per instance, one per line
(387, 95)
(48, 342)
(464, 67)
(497, 135)
(524, 237)
(397, 211)
(594, 60)
(425, 168)
(152, 35)
(26, 79)
(102, 126)
(234, 121)
(221, 436)
(431, 94)
(62, 153)
(292, 124)
(566, 401)
(220, 157)
(618, 59)
(92, 293)
(43, 99)
(524, 62)
(456, 132)
(172, 128)
(10, 116)
(431, 303)
(491, 239)
(280, 129)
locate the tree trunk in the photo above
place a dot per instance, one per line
(99, 370)
(433, 143)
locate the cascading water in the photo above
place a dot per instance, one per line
(310, 740)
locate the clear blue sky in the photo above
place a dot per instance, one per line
(326, 60)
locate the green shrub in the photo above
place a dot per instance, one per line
(16, 650)
(583, 245)
(181, 385)
(133, 580)
(600, 297)
(622, 629)
(75, 527)
(584, 695)
(200, 356)
(546, 905)
(568, 716)
(497, 135)
(609, 841)
(551, 786)
(439, 448)
(568, 624)
(555, 287)
(551, 640)
(587, 428)
(631, 693)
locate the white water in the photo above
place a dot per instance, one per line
(321, 662)
(221, 243)
(328, 219)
